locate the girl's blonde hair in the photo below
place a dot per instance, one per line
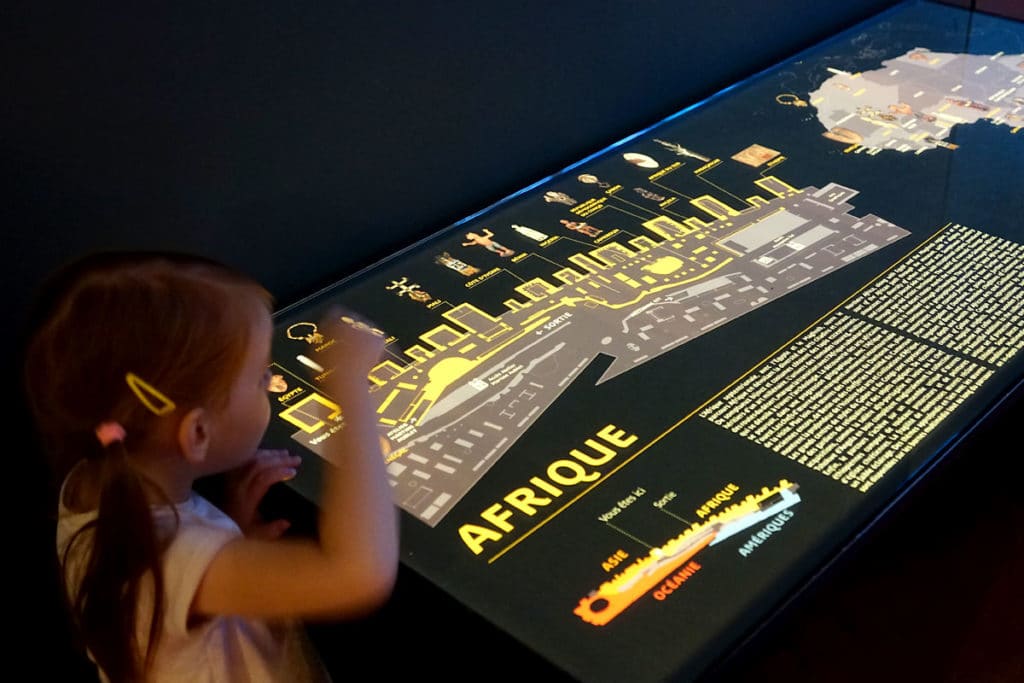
(180, 323)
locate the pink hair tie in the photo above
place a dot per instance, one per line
(110, 432)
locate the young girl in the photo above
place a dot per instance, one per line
(145, 373)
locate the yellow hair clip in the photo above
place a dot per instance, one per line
(150, 396)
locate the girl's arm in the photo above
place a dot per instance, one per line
(350, 569)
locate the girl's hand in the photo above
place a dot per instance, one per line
(246, 486)
(357, 347)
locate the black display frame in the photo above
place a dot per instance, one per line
(906, 475)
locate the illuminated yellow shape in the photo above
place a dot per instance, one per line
(289, 414)
(384, 372)
(586, 263)
(665, 227)
(536, 289)
(514, 305)
(440, 377)
(777, 187)
(663, 265)
(643, 243)
(418, 353)
(442, 336)
(628, 280)
(613, 253)
(387, 401)
(569, 276)
(444, 373)
(714, 206)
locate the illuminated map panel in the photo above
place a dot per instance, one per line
(630, 410)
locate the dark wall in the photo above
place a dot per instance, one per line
(301, 141)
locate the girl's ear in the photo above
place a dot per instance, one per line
(194, 435)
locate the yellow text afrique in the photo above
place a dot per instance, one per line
(526, 501)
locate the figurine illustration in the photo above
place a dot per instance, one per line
(647, 194)
(581, 227)
(591, 179)
(403, 288)
(459, 266)
(681, 151)
(306, 332)
(484, 240)
(530, 233)
(559, 198)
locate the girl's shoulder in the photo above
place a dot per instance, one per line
(78, 502)
(197, 510)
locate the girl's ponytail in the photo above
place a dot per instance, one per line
(121, 560)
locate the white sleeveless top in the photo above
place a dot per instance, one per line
(223, 649)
